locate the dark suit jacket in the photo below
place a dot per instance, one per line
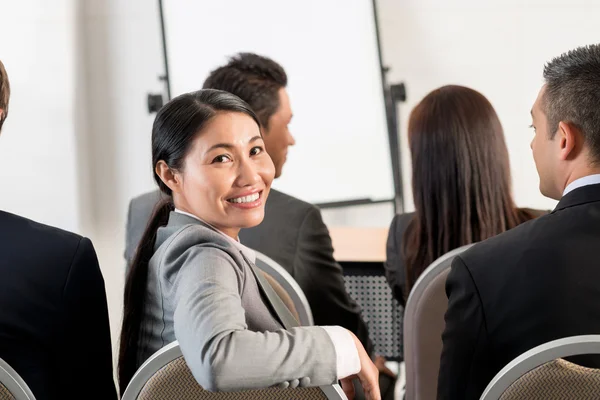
(535, 283)
(293, 234)
(395, 270)
(54, 320)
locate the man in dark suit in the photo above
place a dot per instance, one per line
(293, 232)
(539, 281)
(54, 321)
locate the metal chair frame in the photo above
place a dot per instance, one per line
(289, 284)
(172, 352)
(14, 383)
(538, 356)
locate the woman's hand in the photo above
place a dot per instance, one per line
(368, 375)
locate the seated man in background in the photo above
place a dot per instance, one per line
(293, 232)
(539, 281)
(54, 321)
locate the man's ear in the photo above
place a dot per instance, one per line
(168, 176)
(569, 139)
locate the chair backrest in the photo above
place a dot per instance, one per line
(283, 295)
(540, 373)
(423, 328)
(288, 283)
(165, 375)
(12, 386)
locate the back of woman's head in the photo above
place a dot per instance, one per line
(460, 176)
(176, 126)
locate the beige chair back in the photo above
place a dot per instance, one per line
(166, 375)
(289, 285)
(557, 379)
(5, 394)
(283, 295)
(542, 374)
(12, 386)
(423, 328)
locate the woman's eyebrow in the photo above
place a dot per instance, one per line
(227, 146)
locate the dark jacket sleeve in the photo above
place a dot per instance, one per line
(316, 269)
(85, 356)
(394, 267)
(464, 338)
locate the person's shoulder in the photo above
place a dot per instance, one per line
(507, 247)
(401, 221)
(194, 246)
(532, 212)
(149, 198)
(33, 231)
(282, 200)
(281, 208)
(44, 250)
(196, 237)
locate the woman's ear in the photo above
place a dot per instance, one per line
(168, 176)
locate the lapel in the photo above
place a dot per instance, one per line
(579, 196)
(271, 298)
(278, 309)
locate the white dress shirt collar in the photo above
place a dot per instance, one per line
(248, 252)
(586, 180)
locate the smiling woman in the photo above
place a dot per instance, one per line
(226, 175)
(192, 281)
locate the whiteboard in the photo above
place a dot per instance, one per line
(497, 47)
(329, 51)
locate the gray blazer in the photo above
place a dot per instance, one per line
(203, 292)
(294, 235)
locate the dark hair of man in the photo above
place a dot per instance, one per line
(176, 126)
(572, 94)
(4, 94)
(460, 177)
(254, 79)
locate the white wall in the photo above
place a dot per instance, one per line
(75, 146)
(498, 47)
(38, 161)
(124, 59)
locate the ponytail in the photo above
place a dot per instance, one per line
(135, 295)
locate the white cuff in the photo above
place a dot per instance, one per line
(347, 360)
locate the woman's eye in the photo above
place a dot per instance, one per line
(221, 159)
(256, 150)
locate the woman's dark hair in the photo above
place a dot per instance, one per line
(176, 125)
(460, 177)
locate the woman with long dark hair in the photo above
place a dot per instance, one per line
(192, 281)
(461, 184)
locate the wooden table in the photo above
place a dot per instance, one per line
(359, 244)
